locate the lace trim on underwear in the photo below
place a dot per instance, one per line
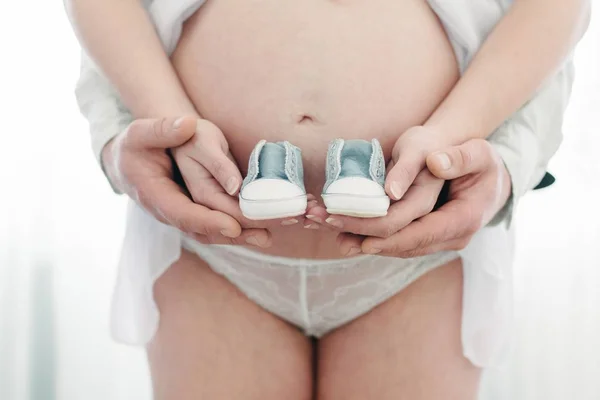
(304, 263)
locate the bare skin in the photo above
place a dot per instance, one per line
(408, 348)
(280, 98)
(262, 71)
(212, 342)
(271, 70)
(215, 343)
(274, 65)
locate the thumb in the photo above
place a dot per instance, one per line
(402, 175)
(161, 133)
(471, 157)
(212, 152)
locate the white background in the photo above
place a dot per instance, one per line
(61, 226)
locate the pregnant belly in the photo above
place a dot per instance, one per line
(310, 71)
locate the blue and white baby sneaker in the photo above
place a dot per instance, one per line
(274, 186)
(355, 176)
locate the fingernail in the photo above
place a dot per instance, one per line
(396, 190)
(178, 122)
(315, 218)
(373, 251)
(311, 226)
(228, 234)
(335, 222)
(443, 160)
(251, 240)
(231, 185)
(353, 251)
(289, 222)
(254, 241)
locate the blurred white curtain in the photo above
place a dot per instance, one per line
(61, 227)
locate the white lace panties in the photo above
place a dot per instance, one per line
(315, 295)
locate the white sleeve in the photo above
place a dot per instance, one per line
(530, 138)
(100, 104)
(527, 140)
(98, 99)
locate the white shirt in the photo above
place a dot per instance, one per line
(526, 142)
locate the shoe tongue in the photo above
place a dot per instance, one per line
(271, 162)
(356, 158)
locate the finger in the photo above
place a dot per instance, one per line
(453, 245)
(349, 244)
(165, 200)
(316, 215)
(471, 157)
(453, 220)
(310, 220)
(406, 166)
(205, 190)
(418, 201)
(221, 201)
(211, 151)
(260, 238)
(161, 133)
(310, 204)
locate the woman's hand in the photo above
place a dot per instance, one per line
(479, 188)
(408, 159)
(137, 163)
(212, 177)
(415, 190)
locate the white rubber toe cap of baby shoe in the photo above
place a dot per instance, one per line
(272, 199)
(356, 186)
(271, 189)
(356, 197)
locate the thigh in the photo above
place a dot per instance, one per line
(214, 343)
(407, 348)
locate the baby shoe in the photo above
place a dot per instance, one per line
(355, 175)
(274, 186)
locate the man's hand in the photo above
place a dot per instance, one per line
(479, 188)
(137, 163)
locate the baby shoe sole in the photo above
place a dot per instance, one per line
(273, 209)
(356, 205)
